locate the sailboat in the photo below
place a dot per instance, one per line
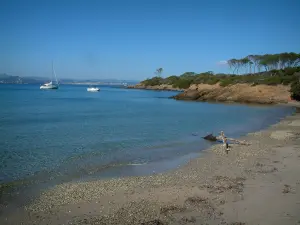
(93, 89)
(51, 84)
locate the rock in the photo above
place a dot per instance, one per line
(188, 95)
(210, 137)
(244, 93)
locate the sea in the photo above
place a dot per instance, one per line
(70, 135)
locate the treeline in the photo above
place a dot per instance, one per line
(258, 69)
(265, 62)
(284, 76)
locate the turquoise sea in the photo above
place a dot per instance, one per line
(70, 134)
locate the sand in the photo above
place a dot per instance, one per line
(256, 184)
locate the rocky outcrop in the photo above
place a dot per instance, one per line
(162, 87)
(244, 93)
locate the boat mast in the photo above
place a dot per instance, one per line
(53, 72)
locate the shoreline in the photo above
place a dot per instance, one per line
(35, 179)
(210, 189)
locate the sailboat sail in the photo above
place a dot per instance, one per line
(53, 72)
(51, 85)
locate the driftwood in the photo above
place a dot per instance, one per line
(211, 137)
(237, 141)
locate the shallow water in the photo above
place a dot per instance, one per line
(70, 133)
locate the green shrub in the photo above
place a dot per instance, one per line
(182, 83)
(272, 80)
(212, 81)
(274, 72)
(153, 81)
(295, 91)
(171, 79)
(281, 73)
(291, 70)
(273, 77)
(286, 80)
(226, 82)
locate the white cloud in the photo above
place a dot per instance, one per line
(222, 62)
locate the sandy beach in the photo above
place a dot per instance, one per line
(255, 184)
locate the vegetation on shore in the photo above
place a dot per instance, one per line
(266, 69)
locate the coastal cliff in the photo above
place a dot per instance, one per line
(243, 93)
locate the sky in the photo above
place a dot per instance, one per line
(130, 39)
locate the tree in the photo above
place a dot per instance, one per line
(245, 63)
(159, 71)
(284, 58)
(264, 62)
(255, 59)
(280, 69)
(274, 61)
(268, 61)
(239, 64)
(233, 64)
(293, 59)
(288, 60)
(250, 64)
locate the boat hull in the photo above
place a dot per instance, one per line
(93, 89)
(49, 87)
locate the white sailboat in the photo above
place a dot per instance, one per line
(93, 89)
(51, 84)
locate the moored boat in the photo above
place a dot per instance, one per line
(51, 84)
(93, 89)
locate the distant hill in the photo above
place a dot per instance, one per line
(9, 79)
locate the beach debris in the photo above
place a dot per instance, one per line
(196, 200)
(211, 137)
(238, 141)
(131, 213)
(222, 184)
(191, 219)
(202, 204)
(286, 189)
(262, 168)
(172, 209)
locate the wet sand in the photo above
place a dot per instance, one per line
(255, 184)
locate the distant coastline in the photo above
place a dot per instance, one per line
(96, 83)
(10, 79)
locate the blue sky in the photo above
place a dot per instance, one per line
(129, 39)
